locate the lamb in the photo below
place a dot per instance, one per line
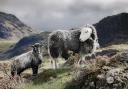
(31, 59)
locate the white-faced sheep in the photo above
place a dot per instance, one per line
(31, 59)
(83, 41)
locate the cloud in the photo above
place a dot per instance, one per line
(62, 14)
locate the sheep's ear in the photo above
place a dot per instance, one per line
(93, 36)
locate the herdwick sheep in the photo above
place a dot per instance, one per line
(31, 59)
(83, 41)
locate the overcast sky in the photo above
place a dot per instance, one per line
(62, 14)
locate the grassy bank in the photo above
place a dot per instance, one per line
(49, 79)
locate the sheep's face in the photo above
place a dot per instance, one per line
(37, 48)
(85, 33)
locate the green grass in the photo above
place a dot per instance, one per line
(5, 45)
(50, 79)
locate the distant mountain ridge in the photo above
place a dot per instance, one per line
(12, 28)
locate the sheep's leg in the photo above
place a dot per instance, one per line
(35, 70)
(19, 71)
(13, 73)
(52, 63)
(95, 46)
(56, 64)
(82, 59)
(13, 70)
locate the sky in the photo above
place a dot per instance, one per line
(62, 14)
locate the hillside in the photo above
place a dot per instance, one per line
(11, 28)
(24, 45)
(113, 29)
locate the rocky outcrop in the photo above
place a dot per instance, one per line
(103, 73)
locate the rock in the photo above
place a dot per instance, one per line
(110, 80)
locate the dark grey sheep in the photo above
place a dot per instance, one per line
(31, 59)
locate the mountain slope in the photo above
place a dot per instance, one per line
(12, 28)
(24, 45)
(113, 29)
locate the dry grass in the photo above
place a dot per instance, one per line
(119, 47)
(6, 80)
